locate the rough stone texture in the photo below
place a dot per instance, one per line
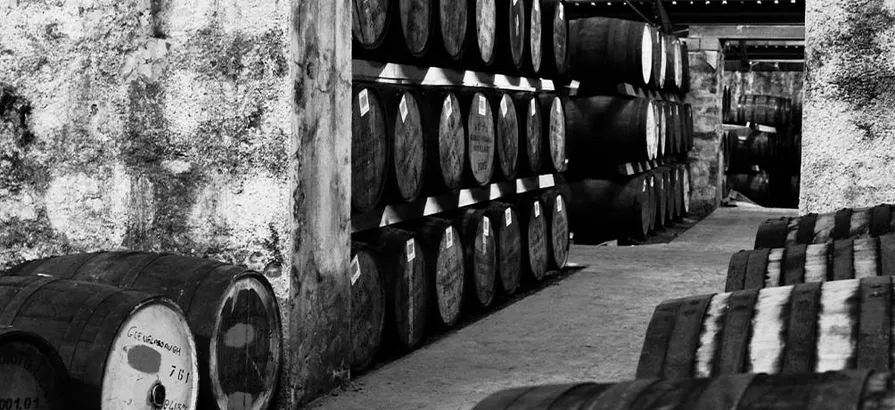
(706, 97)
(848, 152)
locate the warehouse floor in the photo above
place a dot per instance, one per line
(586, 327)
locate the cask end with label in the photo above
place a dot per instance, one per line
(34, 376)
(368, 305)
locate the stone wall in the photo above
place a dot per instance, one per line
(162, 125)
(848, 152)
(705, 96)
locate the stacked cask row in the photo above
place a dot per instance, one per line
(763, 165)
(796, 329)
(835, 260)
(368, 301)
(232, 312)
(854, 389)
(821, 228)
(611, 50)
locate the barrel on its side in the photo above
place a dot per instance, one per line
(450, 34)
(763, 109)
(806, 328)
(445, 141)
(857, 389)
(480, 251)
(842, 259)
(123, 349)
(612, 130)
(442, 248)
(534, 237)
(480, 47)
(507, 138)
(371, 22)
(555, 35)
(368, 306)
(232, 311)
(846, 223)
(748, 151)
(531, 135)
(604, 209)
(369, 148)
(554, 132)
(511, 27)
(407, 162)
(534, 43)
(507, 230)
(480, 137)
(557, 214)
(605, 49)
(34, 376)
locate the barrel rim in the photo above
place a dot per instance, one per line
(646, 54)
(278, 336)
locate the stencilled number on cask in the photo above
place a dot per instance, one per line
(169, 405)
(19, 403)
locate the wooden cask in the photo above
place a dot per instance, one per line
(406, 167)
(847, 223)
(507, 138)
(674, 178)
(369, 148)
(811, 327)
(678, 126)
(659, 63)
(507, 231)
(554, 133)
(416, 19)
(852, 389)
(688, 127)
(232, 311)
(603, 49)
(445, 144)
(663, 121)
(557, 217)
(653, 200)
(685, 68)
(480, 249)
(511, 28)
(480, 47)
(480, 137)
(748, 151)
(407, 285)
(34, 376)
(685, 191)
(368, 306)
(672, 62)
(534, 43)
(555, 36)
(612, 129)
(606, 209)
(445, 265)
(764, 110)
(661, 177)
(852, 258)
(370, 22)
(766, 188)
(123, 349)
(453, 20)
(534, 237)
(530, 143)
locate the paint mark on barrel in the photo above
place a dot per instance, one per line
(144, 359)
(240, 401)
(240, 335)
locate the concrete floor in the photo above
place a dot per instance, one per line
(586, 327)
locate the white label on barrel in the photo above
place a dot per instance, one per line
(756, 168)
(508, 215)
(449, 233)
(558, 106)
(482, 104)
(515, 1)
(651, 185)
(364, 102)
(561, 12)
(355, 267)
(411, 250)
(448, 106)
(486, 226)
(403, 107)
(537, 5)
(629, 169)
(559, 204)
(573, 87)
(644, 185)
(532, 108)
(516, 17)
(537, 209)
(503, 106)
(153, 352)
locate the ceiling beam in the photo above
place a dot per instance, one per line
(749, 32)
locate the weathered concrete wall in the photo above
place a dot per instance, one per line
(706, 68)
(145, 125)
(848, 152)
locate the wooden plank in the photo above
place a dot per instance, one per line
(318, 319)
(437, 76)
(396, 213)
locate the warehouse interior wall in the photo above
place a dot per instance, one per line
(706, 69)
(848, 152)
(198, 127)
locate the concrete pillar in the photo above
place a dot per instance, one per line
(848, 136)
(706, 69)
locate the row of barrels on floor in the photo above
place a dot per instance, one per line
(747, 150)
(764, 188)
(604, 132)
(770, 110)
(136, 330)
(413, 142)
(847, 389)
(817, 228)
(527, 37)
(629, 208)
(420, 277)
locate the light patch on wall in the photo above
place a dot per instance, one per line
(185, 99)
(182, 17)
(884, 40)
(90, 211)
(250, 16)
(21, 206)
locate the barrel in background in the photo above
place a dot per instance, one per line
(34, 376)
(507, 230)
(369, 148)
(507, 138)
(368, 306)
(605, 49)
(442, 248)
(407, 164)
(445, 141)
(109, 339)
(476, 230)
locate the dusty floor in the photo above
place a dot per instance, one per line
(587, 327)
